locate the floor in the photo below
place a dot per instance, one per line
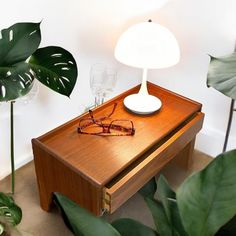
(40, 223)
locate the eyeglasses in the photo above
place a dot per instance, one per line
(104, 126)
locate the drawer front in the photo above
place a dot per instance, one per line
(131, 180)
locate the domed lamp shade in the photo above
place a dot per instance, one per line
(146, 45)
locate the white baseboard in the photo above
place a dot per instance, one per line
(19, 163)
(211, 141)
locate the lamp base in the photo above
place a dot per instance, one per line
(142, 103)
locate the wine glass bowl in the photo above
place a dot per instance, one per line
(31, 95)
(102, 82)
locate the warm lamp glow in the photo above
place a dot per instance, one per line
(148, 46)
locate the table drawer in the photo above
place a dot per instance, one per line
(140, 172)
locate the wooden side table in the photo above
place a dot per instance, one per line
(103, 172)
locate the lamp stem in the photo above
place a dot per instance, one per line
(143, 89)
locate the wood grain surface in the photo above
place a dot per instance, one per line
(101, 158)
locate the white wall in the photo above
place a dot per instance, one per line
(89, 30)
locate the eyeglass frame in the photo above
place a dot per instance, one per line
(106, 127)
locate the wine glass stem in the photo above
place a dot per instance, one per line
(98, 101)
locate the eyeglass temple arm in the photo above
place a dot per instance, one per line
(91, 115)
(113, 109)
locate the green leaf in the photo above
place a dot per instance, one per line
(164, 193)
(1, 229)
(15, 81)
(129, 227)
(81, 221)
(55, 68)
(207, 200)
(222, 75)
(149, 189)
(168, 198)
(160, 219)
(165, 210)
(9, 210)
(228, 229)
(18, 42)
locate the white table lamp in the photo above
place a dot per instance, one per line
(146, 45)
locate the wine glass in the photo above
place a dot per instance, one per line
(31, 95)
(102, 82)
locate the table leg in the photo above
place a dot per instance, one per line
(54, 176)
(184, 157)
(45, 201)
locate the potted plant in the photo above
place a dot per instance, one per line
(21, 62)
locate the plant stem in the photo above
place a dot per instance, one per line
(12, 149)
(229, 124)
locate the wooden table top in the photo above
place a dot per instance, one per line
(99, 159)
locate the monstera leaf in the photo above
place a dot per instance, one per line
(9, 210)
(56, 68)
(17, 43)
(15, 81)
(222, 75)
(21, 62)
(207, 200)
